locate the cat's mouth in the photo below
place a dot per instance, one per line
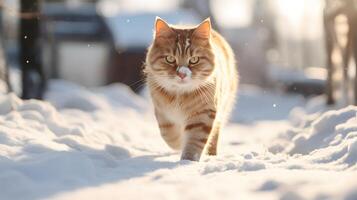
(182, 81)
(176, 84)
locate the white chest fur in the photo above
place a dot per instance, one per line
(173, 113)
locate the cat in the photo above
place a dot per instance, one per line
(192, 78)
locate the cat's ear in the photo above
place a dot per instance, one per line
(203, 30)
(162, 29)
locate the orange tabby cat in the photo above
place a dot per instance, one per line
(192, 78)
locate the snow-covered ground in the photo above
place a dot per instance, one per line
(104, 144)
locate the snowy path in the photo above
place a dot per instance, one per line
(105, 144)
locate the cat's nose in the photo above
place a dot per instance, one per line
(181, 75)
(183, 72)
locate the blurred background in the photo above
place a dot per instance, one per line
(297, 46)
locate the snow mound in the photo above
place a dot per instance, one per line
(330, 138)
(44, 150)
(64, 94)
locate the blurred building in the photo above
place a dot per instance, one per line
(96, 42)
(109, 45)
(77, 43)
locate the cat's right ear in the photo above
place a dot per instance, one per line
(162, 29)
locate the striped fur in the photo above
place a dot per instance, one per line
(190, 114)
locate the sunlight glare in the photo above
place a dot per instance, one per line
(232, 13)
(293, 10)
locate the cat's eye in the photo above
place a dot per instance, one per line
(170, 59)
(194, 60)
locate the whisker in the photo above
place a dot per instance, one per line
(206, 100)
(136, 82)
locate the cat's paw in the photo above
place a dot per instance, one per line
(191, 156)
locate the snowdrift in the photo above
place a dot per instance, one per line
(328, 138)
(104, 144)
(44, 149)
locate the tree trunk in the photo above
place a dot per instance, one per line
(33, 79)
(328, 25)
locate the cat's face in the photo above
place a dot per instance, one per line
(180, 59)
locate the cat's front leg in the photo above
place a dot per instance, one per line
(197, 132)
(170, 131)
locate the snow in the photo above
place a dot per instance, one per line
(104, 144)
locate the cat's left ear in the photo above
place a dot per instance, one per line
(203, 30)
